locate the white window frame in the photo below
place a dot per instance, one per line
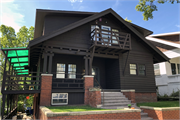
(59, 98)
(59, 73)
(133, 69)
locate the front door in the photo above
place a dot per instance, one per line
(95, 73)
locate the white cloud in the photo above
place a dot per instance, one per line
(116, 6)
(73, 1)
(178, 26)
(3, 1)
(10, 16)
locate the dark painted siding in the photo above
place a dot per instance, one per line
(138, 55)
(112, 74)
(54, 22)
(78, 38)
(75, 98)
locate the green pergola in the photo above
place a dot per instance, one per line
(18, 59)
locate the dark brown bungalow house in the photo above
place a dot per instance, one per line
(72, 48)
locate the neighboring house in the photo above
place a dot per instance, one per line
(167, 73)
(68, 45)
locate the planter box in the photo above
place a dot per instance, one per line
(46, 114)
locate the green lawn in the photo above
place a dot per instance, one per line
(160, 104)
(75, 108)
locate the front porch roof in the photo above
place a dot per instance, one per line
(18, 58)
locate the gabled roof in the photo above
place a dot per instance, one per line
(91, 18)
(41, 13)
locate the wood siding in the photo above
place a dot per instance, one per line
(55, 22)
(110, 77)
(138, 55)
(76, 98)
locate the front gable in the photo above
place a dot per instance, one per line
(118, 22)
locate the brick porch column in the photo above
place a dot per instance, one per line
(130, 94)
(88, 83)
(46, 87)
(94, 97)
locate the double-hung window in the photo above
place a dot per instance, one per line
(59, 98)
(156, 69)
(141, 69)
(133, 69)
(71, 71)
(60, 70)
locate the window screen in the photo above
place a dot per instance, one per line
(133, 69)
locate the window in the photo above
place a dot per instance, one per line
(178, 66)
(115, 36)
(92, 28)
(173, 68)
(60, 70)
(59, 98)
(133, 69)
(71, 71)
(156, 70)
(106, 31)
(141, 69)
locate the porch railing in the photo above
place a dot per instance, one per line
(21, 82)
(68, 80)
(11, 114)
(108, 38)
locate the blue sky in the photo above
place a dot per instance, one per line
(17, 13)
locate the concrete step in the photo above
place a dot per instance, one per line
(115, 107)
(115, 104)
(146, 118)
(113, 98)
(110, 93)
(115, 101)
(144, 114)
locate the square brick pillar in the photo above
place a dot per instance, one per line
(46, 87)
(88, 83)
(130, 94)
(94, 97)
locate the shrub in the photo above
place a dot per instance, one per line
(175, 94)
